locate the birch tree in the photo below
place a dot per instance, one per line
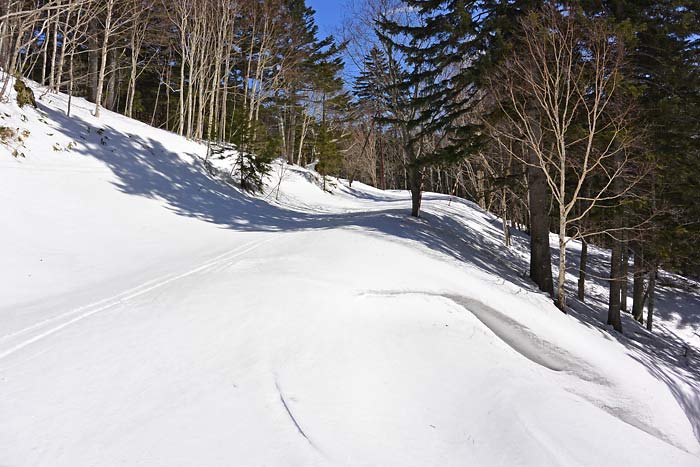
(106, 33)
(560, 92)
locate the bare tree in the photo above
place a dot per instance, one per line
(106, 33)
(560, 95)
(139, 12)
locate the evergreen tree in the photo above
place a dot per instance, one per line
(328, 153)
(372, 83)
(453, 46)
(253, 163)
(662, 69)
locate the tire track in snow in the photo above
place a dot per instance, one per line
(96, 307)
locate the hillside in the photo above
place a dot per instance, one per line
(153, 314)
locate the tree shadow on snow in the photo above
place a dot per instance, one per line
(664, 354)
(144, 167)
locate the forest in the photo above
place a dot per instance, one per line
(578, 118)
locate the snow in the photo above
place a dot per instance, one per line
(153, 314)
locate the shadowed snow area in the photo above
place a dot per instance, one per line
(153, 314)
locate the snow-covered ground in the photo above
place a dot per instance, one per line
(153, 315)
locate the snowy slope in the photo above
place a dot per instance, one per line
(154, 315)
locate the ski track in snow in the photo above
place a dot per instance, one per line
(122, 297)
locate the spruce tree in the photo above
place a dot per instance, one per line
(371, 86)
(453, 46)
(328, 153)
(662, 70)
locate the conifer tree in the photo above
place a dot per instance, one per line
(371, 86)
(662, 69)
(328, 153)
(453, 46)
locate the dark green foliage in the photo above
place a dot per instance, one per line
(252, 170)
(372, 85)
(139, 107)
(662, 68)
(258, 149)
(237, 128)
(452, 45)
(329, 156)
(315, 82)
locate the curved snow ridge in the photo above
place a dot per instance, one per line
(527, 343)
(47, 327)
(551, 357)
(518, 337)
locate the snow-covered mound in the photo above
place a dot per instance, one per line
(152, 314)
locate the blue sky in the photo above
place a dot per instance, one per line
(329, 14)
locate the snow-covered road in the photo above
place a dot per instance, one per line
(151, 315)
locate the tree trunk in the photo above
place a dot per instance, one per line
(131, 89)
(614, 317)
(190, 90)
(506, 228)
(305, 122)
(44, 57)
(214, 99)
(181, 91)
(54, 51)
(103, 57)
(167, 99)
(201, 98)
(540, 253)
(481, 197)
(293, 135)
(382, 170)
(614, 296)
(624, 274)
(638, 286)
(561, 276)
(62, 57)
(93, 61)
(582, 271)
(652, 291)
(70, 83)
(155, 105)
(416, 180)
(111, 90)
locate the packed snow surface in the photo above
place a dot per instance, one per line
(153, 314)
